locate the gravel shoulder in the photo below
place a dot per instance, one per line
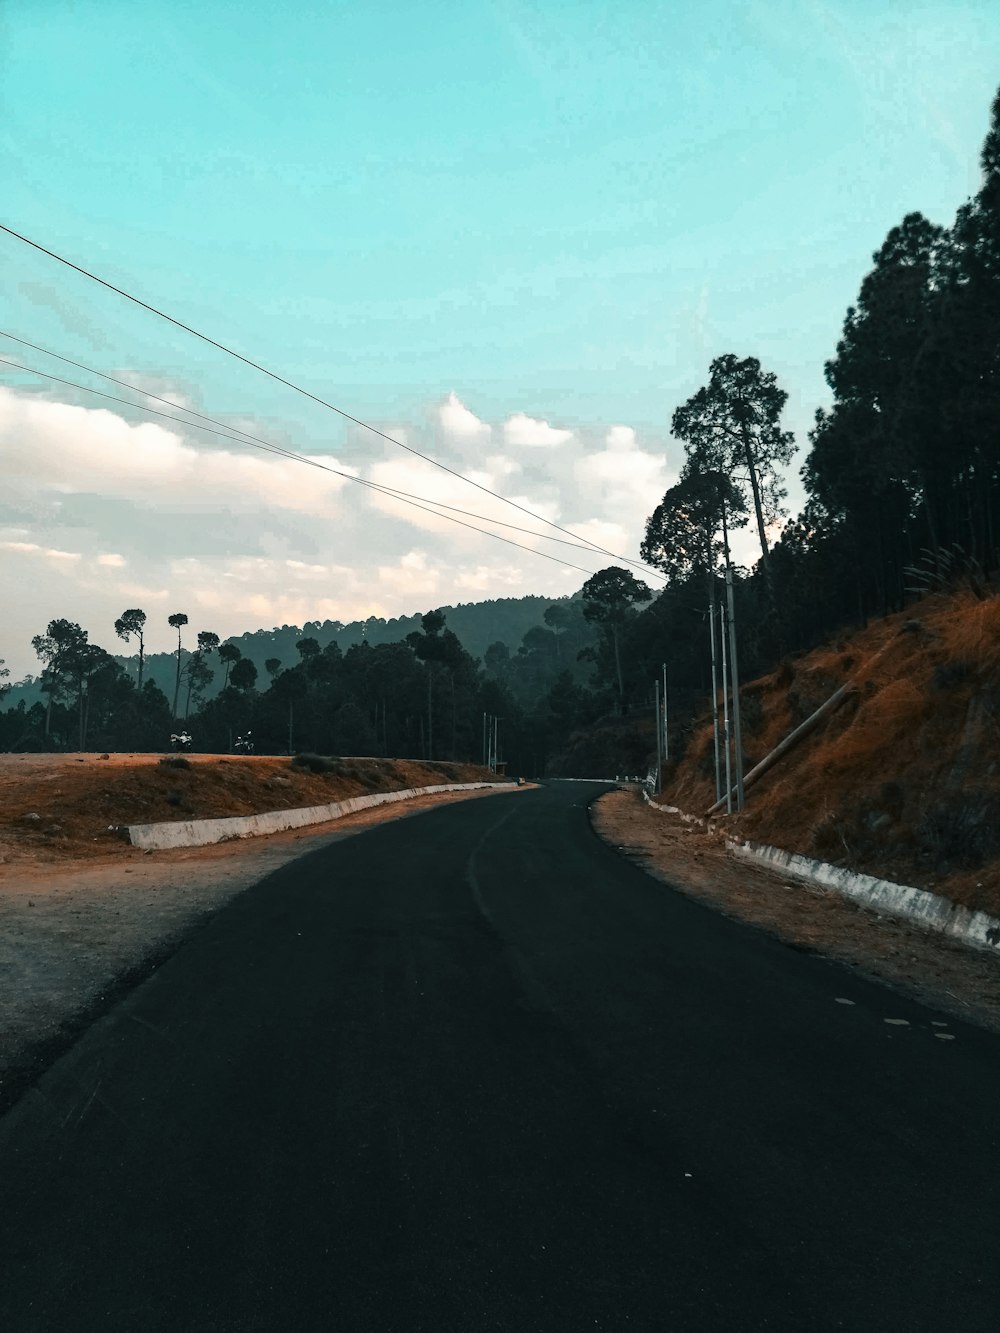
(939, 971)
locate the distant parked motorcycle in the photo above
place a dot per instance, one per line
(181, 741)
(244, 744)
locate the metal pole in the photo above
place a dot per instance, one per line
(735, 673)
(725, 711)
(659, 739)
(666, 726)
(715, 699)
(485, 756)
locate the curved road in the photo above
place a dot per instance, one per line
(475, 1071)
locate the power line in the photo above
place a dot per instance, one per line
(297, 388)
(221, 427)
(362, 481)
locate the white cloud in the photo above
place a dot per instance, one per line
(52, 448)
(524, 432)
(458, 422)
(620, 439)
(107, 514)
(49, 553)
(158, 387)
(628, 480)
(486, 577)
(431, 484)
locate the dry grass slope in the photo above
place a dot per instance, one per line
(54, 806)
(903, 780)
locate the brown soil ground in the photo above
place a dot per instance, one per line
(941, 972)
(84, 917)
(903, 780)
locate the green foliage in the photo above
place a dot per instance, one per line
(682, 533)
(731, 427)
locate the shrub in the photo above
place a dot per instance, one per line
(316, 763)
(953, 675)
(963, 831)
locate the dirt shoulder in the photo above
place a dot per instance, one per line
(82, 922)
(939, 971)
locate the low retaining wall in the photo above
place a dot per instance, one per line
(931, 910)
(201, 832)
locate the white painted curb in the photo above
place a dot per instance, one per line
(201, 832)
(930, 910)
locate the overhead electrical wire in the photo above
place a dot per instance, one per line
(241, 436)
(297, 388)
(362, 481)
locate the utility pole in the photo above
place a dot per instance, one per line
(735, 673)
(715, 696)
(666, 726)
(659, 740)
(725, 711)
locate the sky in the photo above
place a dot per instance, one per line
(511, 235)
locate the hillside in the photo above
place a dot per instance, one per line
(477, 625)
(903, 779)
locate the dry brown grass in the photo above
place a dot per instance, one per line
(903, 780)
(79, 799)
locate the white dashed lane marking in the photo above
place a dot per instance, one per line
(904, 1022)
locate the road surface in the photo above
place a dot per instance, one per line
(475, 1071)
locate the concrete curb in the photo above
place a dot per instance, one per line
(201, 832)
(930, 910)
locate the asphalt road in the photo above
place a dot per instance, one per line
(475, 1071)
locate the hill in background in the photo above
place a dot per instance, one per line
(477, 625)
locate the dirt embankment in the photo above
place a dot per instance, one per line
(58, 806)
(903, 780)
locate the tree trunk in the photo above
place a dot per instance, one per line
(618, 669)
(177, 678)
(765, 554)
(430, 712)
(454, 719)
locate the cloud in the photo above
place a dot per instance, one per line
(524, 432)
(51, 448)
(431, 484)
(157, 386)
(112, 514)
(629, 480)
(620, 439)
(50, 553)
(458, 422)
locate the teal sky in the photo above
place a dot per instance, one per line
(558, 209)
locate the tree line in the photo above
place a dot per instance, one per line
(422, 696)
(902, 473)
